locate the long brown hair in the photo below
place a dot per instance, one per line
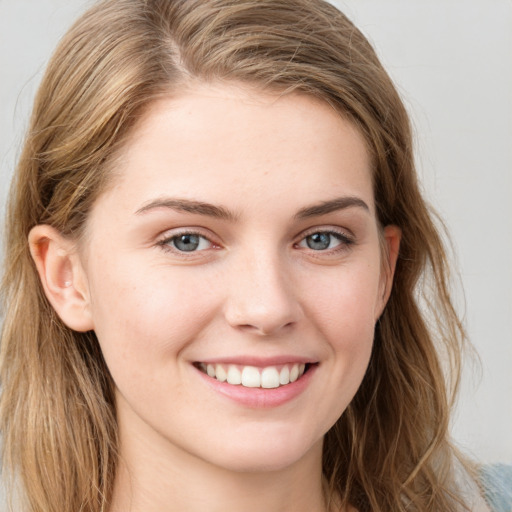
(390, 450)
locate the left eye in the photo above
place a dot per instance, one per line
(189, 242)
(322, 241)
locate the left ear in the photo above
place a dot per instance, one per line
(391, 236)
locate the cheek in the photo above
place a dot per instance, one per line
(142, 316)
(343, 309)
(346, 302)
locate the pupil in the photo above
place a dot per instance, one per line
(187, 242)
(319, 241)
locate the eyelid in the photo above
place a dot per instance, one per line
(164, 240)
(345, 236)
(344, 233)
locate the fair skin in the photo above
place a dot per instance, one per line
(239, 235)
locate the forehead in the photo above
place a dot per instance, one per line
(231, 143)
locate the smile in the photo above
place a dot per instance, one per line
(269, 377)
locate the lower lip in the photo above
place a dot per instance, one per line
(261, 398)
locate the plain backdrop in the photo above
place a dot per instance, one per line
(452, 63)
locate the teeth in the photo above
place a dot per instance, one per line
(270, 378)
(253, 377)
(220, 373)
(294, 373)
(234, 375)
(284, 375)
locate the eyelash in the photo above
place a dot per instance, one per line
(345, 241)
(167, 243)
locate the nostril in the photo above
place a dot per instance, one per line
(265, 328)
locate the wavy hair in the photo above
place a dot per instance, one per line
(390, 449)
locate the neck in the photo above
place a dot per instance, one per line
(156, 476)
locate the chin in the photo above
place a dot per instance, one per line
(270, 454)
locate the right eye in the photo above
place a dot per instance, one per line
(186, 242)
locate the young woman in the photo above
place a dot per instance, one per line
(223, 289)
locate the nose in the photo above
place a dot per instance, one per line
(262, 299)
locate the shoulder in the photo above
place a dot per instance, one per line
(496, 481)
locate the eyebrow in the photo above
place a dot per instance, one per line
(219, 212)
(340, 203)
(189, 206)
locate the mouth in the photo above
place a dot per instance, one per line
(269, 377)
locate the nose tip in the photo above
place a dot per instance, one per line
(262, 301)
(260, 322)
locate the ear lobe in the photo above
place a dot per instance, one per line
(62, 276)
(391, 237)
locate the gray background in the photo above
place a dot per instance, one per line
(452, 61)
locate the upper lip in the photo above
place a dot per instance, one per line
(258, 361)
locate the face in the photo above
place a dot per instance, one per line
(234, 276)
